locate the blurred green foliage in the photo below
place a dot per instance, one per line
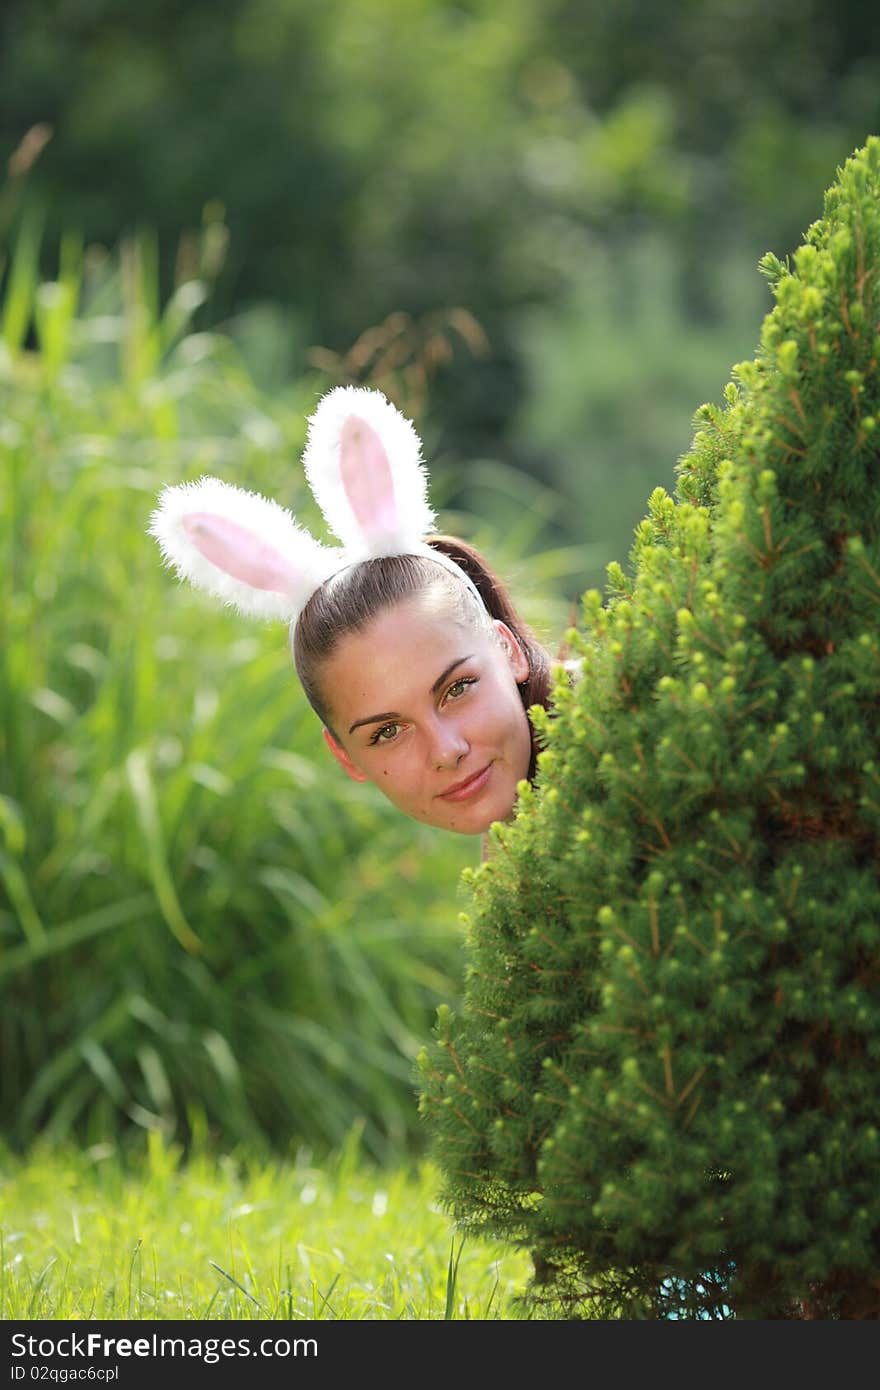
(369, 157)
(610, 368)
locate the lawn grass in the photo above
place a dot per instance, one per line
(92, 1234)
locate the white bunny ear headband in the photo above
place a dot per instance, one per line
(363, 463)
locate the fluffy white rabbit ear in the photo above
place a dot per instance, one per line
(363, 462)
(243, 549)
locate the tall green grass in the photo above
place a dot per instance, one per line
(204, 926)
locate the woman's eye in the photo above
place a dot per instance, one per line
(457, 688)
(385, 734)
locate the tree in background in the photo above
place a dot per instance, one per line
(374, 157)
(371, 138)
(663, 1080)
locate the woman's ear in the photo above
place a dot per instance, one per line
(343, 759)
(519, 662)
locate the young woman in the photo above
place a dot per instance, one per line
(407, 645)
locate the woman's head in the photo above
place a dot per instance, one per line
(423, 686)
(370, 616)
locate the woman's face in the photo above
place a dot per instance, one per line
(425, 705)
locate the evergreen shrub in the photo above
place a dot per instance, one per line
(663, 1078)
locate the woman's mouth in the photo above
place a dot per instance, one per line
(471, 786)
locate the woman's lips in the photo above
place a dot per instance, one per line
(462, 790)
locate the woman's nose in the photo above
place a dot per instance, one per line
(448, 745)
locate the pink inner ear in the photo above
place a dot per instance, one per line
(366, 477)
(239, 552)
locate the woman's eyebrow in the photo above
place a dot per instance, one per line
(392, 714)
(448, 672)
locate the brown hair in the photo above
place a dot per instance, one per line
(356, 595)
